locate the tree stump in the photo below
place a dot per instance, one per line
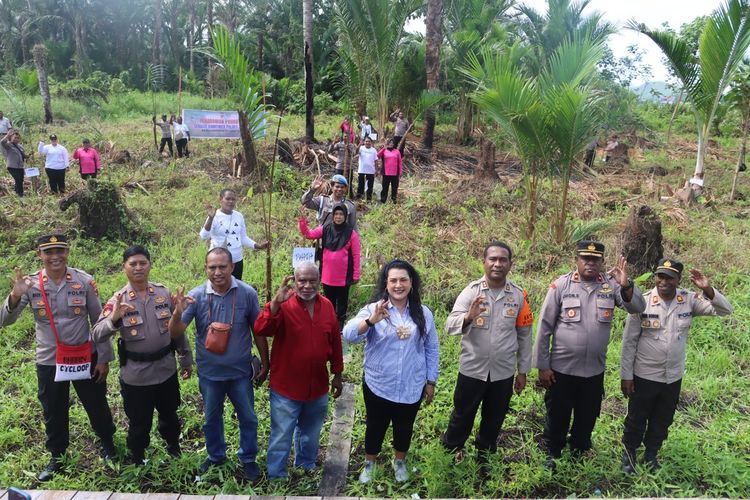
(641, 240)
(486, 165)
(102, 213)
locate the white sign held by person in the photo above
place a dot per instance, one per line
(301, 255)
(31, 172)
(205, 124)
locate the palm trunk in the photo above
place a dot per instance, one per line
(191, 37)
(434, 34)
(562, 213)
(741, 159)
(250, 166)
(307, 27)
(40, 60)
(81, 58)
(156, 48)
(702, 139)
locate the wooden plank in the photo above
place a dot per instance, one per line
(195, 497)
(92, 495)
(336, 465)
(125, 496)
(267, 498)
(159, 496)
(51, 494)
(304, 498)
(342, 498)
(232, 497)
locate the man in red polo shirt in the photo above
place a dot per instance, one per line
(307, 337)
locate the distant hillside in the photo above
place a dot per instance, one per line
(655, 91)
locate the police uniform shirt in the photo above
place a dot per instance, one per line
(324, 206)
(74, 304)
(498, 341)
(144, 330)
(654, 342)
(576, 318)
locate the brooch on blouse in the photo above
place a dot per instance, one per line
(403, 332)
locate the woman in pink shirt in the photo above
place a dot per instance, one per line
(393, 167)
(88, 160)
(347, 130)
(340, 262)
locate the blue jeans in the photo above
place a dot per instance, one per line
(240, 393)
(303, 420)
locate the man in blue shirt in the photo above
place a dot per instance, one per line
(224, 373)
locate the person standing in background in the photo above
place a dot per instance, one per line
(55, 163)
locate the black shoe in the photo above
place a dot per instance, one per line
(54, 465)
(628, 462)
(550, 464)
(134, 458)
(174, 450)
(251, 470)
(207, 464)
(484, 464)
(651, 460)
(107, 452)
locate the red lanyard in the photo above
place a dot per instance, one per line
(47, 308)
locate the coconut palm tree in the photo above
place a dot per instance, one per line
(721, 47)
(40, 54)
(307, 31)
(548, 117)
(370, 31)
(433, 41)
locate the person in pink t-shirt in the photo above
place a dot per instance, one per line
(393, 167)
(341, 256)
(88, 160)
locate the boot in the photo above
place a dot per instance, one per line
(628, 461)
(107, 451)
(651, 460)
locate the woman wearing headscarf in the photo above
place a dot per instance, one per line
(401, 362)
(341, 253)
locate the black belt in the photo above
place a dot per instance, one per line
(125, 355)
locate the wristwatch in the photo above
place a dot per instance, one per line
(629, 285)
(369, 323)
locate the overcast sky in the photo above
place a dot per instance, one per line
(651, 12)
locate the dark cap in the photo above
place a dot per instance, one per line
(670, 267)
(53, 137)
(53, 240)
(590, 248)
(86, 141)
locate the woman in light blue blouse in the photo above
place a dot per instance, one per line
(401, 361)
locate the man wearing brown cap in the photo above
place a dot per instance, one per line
(571, 345)
(65, 302)
(653, 356)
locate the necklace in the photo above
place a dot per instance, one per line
(403, 331)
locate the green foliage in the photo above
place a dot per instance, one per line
(723, 43)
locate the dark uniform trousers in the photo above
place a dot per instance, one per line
(581, 396)
(140, 401)
(55, 396)
(469, 394)
(650, 413)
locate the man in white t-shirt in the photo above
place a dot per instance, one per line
(226, 228)
(55, 163)
(366, 171)
(5, 124)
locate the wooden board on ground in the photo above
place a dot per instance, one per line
(341, 498)
(232, 497)
(196, 497)
(92, 495)
(51, 494)
(339, 444)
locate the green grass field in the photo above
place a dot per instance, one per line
(440, 225)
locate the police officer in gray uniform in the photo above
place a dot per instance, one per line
(140, 312)
(571, 345)
(653, 356)
(73, 302)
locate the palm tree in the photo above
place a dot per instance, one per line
(739, 99)
(40, 54)
(307, 30)
(721, 47)
(548, 117)
(433, 41)
(370, 31)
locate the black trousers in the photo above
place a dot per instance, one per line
(339, 297)
(361, 179)
(140, 403)
(650, 413)
(86, 177)
(168, 142)
(17, 174)
(392, 181)
(581, 396)
(56, 179)
(469, 394)
(54, 397)
(380, 413)
(182, 148)
(238, 268)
